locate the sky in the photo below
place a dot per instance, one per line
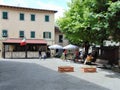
(58, 5)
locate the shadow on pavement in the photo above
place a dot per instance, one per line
(111, 74)
(31, 76)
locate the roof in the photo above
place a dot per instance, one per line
(28, 41)
(26, 8)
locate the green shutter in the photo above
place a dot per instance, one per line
(21, 34)
(32, 34)
(46, 34)
(49, 34)
(21, 16)
(46, 18)
(4, 33)
(43, 34)
(32, 17)
(5, 15)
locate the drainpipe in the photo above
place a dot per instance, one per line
(119, 54)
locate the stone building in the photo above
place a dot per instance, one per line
(35, 25)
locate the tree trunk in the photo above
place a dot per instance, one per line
(87, 46)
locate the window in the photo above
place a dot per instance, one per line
(21, 16)
(21, 34)
(32, 34)
(4, 33)
(60, 38)
(5, 15)
(32, 17)
(47, 18)
(46, 34)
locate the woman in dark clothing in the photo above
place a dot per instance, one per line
(40, 55)
(94, 55)
(65, 54)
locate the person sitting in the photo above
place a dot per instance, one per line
(88, 59)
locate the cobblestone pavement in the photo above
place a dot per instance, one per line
(36, 74)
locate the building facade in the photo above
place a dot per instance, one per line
(35, 25)
(60, 38)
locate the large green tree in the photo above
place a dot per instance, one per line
(113, 16)
(75, 22)
(91, 21)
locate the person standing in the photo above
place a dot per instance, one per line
(65, 54)
(76, 56)
(44, 55)
(95, 55)
(82, 54)
(40, 55)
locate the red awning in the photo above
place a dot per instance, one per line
(28, 41)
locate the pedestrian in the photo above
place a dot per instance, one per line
(76, 57)
(65, 54)
(94, 55)
(44, 55)
(82, 55)
(40, 55)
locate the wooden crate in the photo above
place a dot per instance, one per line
(65, 69)
(88, 69)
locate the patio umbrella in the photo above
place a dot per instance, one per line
(55, 47)
(70, 47)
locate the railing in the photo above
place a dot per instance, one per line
(34, 54)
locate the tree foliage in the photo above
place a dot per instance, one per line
(91, 20)
(114, 20)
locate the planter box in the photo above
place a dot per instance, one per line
(88, 69)
(65, 69)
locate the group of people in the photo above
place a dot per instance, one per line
(78, 55)
(89, 58)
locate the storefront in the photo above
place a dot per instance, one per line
(13, 49)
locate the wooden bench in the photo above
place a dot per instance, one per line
(65, 69)
(88, 69)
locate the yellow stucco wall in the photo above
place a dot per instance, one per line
(13, 24)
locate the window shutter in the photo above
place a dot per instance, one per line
(4, 33)
(21, 34)
(46, 18)
(49, 34)
(32, 17)
(32, 34)
(21, 16)
(43, 34)
(5, 15)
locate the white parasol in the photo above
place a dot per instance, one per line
(55, 47)
(70, 47)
